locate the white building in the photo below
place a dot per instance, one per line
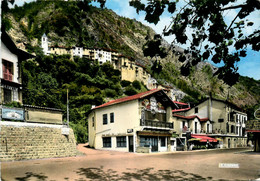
(45, 45)
(138, 123)
(11, 82)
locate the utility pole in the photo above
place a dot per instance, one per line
(68, 108)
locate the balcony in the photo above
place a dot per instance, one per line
(156, 124)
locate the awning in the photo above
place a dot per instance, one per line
(204, 138)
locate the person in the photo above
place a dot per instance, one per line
(191, 146)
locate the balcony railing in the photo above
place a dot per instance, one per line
(157, 124)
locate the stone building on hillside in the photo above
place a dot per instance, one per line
(130, 70)
(101, 55)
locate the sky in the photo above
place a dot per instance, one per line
(248, 66)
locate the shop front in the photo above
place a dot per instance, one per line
(154, 141)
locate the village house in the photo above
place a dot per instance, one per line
(214, 121)
(253, 127)
(101, 55)
(130, 70)
(11, 81)
(138, 123)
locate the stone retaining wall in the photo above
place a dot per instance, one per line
(22, 141)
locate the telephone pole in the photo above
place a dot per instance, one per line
(68, 108)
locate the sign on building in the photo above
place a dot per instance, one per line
(12, 113)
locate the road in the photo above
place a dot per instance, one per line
(106, 165)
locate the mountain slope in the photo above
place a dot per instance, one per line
(74, 24)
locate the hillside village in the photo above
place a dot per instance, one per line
(152, 119)
(130, 69)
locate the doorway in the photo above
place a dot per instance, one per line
(154, 144)
(228, 143)
(131, 143)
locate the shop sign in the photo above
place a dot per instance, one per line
(13, 113)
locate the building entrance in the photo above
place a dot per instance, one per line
(149, 141)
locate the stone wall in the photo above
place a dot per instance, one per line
(22, 141)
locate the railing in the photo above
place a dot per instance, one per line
(157, 124)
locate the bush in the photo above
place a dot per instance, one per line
(130, 90)
(136, 84)
(125, 83)
(110, 93)
(80, 132)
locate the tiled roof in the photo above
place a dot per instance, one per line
(181, 103)
(179, 110)
(129, 98)
(191, 117)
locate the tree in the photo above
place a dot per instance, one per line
(212, 36)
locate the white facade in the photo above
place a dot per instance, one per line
(7, 55)
(10, 71)
(103, 56)
(143, 124)
(78, 51)
(45, 45)
(123, 120)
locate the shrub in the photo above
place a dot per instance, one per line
(136, 84)
(110, 93)
(125, 83)
(80, 132)
(130, 90)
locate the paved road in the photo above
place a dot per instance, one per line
(105, 165)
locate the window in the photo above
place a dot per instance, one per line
(163, 143)
(121, 141)
(196, 125)
(196, 109)
(93, 122)
(7, 70)
(7, 95)
(104, 118)
(220, 120)
(227, 128)
(144, 141)
(183, 124)
(107, 142)
(112, 117)
(232, 129)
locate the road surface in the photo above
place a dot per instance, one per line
(106, 165)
